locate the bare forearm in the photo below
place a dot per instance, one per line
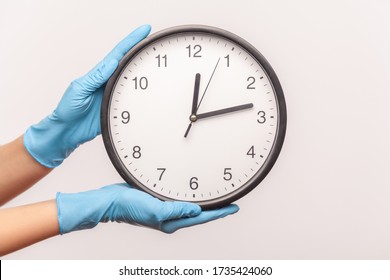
(18, 170)
(25, 225)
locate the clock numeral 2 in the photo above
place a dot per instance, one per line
(161, 60)
(194, 183)
(196, 48)
(251, 81)
(141, 83)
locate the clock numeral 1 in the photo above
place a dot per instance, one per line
(141, 83)
(196, 48)
(194, 183)
(161, 59)
(227, 175)
(136, 152)
(251, 152)
(162, 172)
(227, 61)
(251, 81)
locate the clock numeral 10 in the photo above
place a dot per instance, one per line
(194, 183)
(161, 60)
(141, 83)
(196, 50)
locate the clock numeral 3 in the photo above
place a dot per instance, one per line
(141, 83)
(136, 152)
(196, 48)
(194, 183)
(261, 118)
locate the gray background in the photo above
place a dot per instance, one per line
(328, 195)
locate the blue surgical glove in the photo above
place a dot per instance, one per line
(76, 119)
(124, 204)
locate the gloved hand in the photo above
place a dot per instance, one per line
(76, 119)
(122, 203)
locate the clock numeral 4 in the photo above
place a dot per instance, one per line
(141, 83)
(194, 183)
(196, 50)
(251, 152)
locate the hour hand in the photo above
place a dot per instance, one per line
(224, 111)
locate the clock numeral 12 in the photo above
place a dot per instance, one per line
(197, 49)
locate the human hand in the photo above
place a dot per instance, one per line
(76, 119)
(122, 203)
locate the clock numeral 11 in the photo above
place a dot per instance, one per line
(161, 60)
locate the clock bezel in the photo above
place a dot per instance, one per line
(280, 101)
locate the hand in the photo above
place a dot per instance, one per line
(76, 119)
(224, 111)
(122, 203)
(194, 102)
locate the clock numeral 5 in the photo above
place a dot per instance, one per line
(194, 183)
(141, 83)
(196, 48)
(227, 175)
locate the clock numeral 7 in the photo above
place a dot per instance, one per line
(162, 172)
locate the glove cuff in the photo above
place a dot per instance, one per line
(46, 143)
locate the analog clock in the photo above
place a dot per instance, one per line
(194, 113)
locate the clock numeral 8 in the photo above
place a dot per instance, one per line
(136, 152)
(194, 183)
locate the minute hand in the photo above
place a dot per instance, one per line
(224, 111)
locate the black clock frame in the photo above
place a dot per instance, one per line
(193, 29)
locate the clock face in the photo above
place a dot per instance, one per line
(194, 114)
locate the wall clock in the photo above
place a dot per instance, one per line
(194, 113)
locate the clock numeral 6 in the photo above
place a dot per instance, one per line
(194, 183)
(227, 175)
(141, 83)
(196, 48)
(136, 152)
(125, 117)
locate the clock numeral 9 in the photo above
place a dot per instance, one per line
(227, 175)
(125, 117)
(136, 152)
(196, 48)
(161, 59)
(261, 118)
(251, 81)
(251, 152)
(194, 183)
(141, 83)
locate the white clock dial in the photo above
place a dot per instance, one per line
(203, 150)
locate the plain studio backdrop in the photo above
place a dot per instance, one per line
(328, 195)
